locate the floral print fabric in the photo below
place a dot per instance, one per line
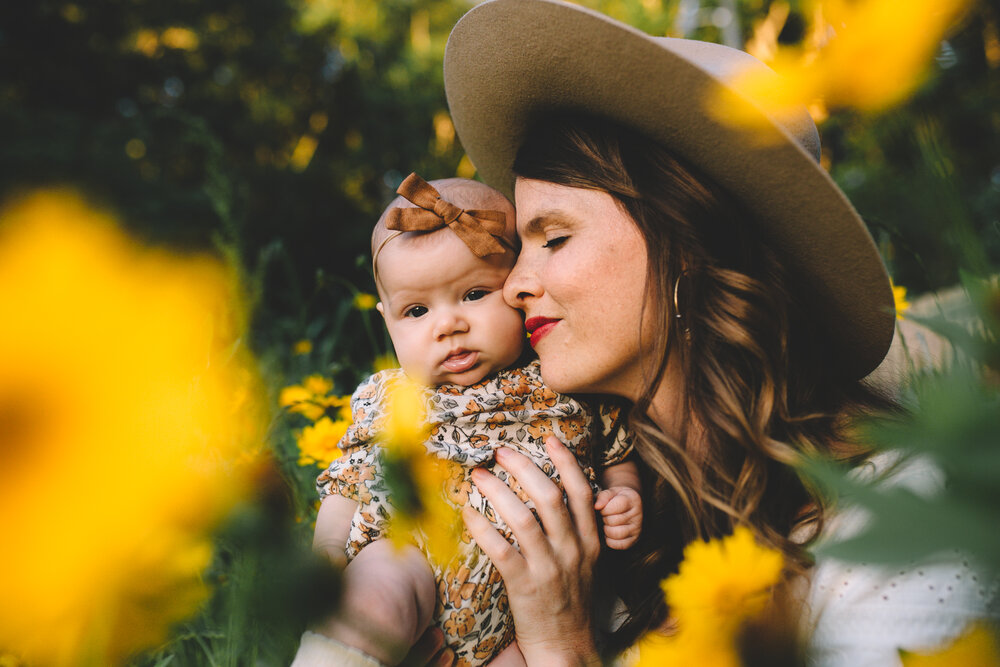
(511, 409)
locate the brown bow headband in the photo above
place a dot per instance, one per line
(480, 230)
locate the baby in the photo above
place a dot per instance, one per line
(439, 271)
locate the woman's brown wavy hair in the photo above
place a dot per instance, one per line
(762, 388)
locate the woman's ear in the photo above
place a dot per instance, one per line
(380, 309)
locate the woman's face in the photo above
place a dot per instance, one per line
(580, 280)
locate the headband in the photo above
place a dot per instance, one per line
(480, 230)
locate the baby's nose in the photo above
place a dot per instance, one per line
(449, 323)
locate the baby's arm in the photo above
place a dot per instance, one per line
(333, 526)
(620, 504)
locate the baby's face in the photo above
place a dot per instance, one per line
(445, 311)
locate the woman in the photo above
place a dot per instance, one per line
(715, 278)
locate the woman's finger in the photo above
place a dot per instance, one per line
(530, 537)
(507, 559)
(549, 502)
(579, 494)
(429, 650)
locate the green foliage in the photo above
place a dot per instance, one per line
(951, 421)
(925, 175)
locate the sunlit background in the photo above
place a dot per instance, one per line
(186, 295)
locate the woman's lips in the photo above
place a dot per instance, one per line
(460, 361)
(538, 327)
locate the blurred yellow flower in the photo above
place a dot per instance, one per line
(311, 398)
(720, 585)
(318, 443)
(365, 301)
(384, 362)
(866, 54)
(977, 648)
(416, 478)
(113, 477)
(899, 297)
(318, 385)
(302, 347)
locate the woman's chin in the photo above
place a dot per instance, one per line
(566, 378)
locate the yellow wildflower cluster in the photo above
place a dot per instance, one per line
(864, 54)
(720, 586)
(128, 431)
(899, 297)
(416, 478)
(314, 400)
(977, 648)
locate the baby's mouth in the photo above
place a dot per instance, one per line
(460, 361)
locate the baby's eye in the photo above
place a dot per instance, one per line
(415, 311)
(476, 294)
(555, 242)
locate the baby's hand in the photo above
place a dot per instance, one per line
(621, 510)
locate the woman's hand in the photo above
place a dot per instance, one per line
(549, 581)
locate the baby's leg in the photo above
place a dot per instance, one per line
(388, 601)
(389, 593)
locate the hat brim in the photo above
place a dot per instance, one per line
(509, 62)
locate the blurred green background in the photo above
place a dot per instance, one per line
(281, 127)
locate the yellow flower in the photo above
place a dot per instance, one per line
(657, 650)
(318, 444)
(977, 648)
(113, 477)
(899, 296)
(365, 301)
(876, 56)
(417, 478)
(384, 362)
(343, 405)
(317, 385)
(309, 399)
(720, 585)
(302, 347)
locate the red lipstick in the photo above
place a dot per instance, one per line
(538, 327)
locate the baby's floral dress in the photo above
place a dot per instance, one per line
(510, 409)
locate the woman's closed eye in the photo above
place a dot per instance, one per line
(555, 242)
(415, 311)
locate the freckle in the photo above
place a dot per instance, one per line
(949, 588)
(920, 572)
(975, 578)
(885, 597)
(940, 600)
(893, 584)
(931, 587)
(958, 576)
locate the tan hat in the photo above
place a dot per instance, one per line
(510, 61)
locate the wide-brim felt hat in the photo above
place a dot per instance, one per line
(510, 62)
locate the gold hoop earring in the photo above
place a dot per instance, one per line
(677, 305)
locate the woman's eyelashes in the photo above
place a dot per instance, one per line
(555, 242)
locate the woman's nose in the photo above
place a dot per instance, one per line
(521, 284)
(449, 323)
